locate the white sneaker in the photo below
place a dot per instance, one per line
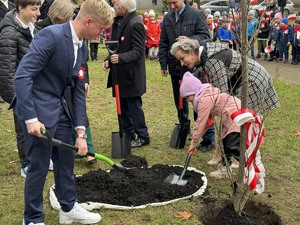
(51, 165)
(31, 223)
(79, 215)
(221, 172)
(24, 171)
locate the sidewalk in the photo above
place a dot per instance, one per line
(282, 71)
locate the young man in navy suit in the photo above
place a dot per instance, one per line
(51, 66)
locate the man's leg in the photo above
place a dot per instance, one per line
(38, 156)
(22, 149)
(175, 86)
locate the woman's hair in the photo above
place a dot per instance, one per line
(25, 3)
(186, 45)
(130, 5)
(61, 10)
(99, 10)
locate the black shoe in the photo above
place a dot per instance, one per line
(270, 59)
(206, 146)
(258, 56)
(132, 137)
(140, 142)
(92, 161)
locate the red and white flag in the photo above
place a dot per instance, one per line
(261, 11)
(268, 15)
(252, 2)
(292, 17)
(255, 136)
(268, 49)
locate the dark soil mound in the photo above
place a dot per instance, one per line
(229, 216)
(134, 187)
(134, 161)
(221, 212)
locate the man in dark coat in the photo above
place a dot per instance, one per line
(5, 7)
(129, 69)
(181, 22)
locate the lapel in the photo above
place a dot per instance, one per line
(70, 50)
(3, 7)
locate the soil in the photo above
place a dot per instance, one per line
(135, 187)
(143, 185)
(221, 212)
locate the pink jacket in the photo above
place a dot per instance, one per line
(214, 103)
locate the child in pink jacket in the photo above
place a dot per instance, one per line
(209, 102)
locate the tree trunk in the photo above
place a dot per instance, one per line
(241, 192)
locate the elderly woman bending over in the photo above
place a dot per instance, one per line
(223, 69)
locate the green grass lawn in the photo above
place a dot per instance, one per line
(280, 154)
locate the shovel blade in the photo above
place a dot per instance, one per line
(179, 136)
(174, 178)
(120, 147)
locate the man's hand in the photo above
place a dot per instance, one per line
(164, 73)
(35, 128)
(180, 38)
(105, 65)
(82, 146)
(114, 58)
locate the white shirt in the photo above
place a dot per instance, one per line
(76, 42)
(5, 3)
(31, 25)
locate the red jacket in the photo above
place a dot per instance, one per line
(153, 32)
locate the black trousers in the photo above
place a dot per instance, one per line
(21, 145)
(176, 93)
(132, 116)
(231, 144)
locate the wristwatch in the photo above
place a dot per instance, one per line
(83, 135)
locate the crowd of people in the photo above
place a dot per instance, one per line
(199, 51)
(273, 33)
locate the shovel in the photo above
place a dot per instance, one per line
(121, 146)
(181, 130)
(181, 180)
(47, 137)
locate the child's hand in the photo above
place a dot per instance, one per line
(288, 44)
(274, 42)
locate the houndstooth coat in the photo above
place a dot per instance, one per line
(223, 68)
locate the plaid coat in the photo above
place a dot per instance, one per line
(223, 67)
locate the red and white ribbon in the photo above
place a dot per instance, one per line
(255, 136)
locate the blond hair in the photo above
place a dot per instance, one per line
(61, 10)
(99, 10)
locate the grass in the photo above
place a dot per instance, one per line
(280, 154)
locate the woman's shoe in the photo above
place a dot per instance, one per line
(91, 160)
(213, 162)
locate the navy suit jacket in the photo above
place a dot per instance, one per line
(44, 74)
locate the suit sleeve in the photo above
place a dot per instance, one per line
(201, 32)
(40, 50)
(163, 47)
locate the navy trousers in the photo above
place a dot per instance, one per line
(133, 118)
(39, 154)
(176, 93)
